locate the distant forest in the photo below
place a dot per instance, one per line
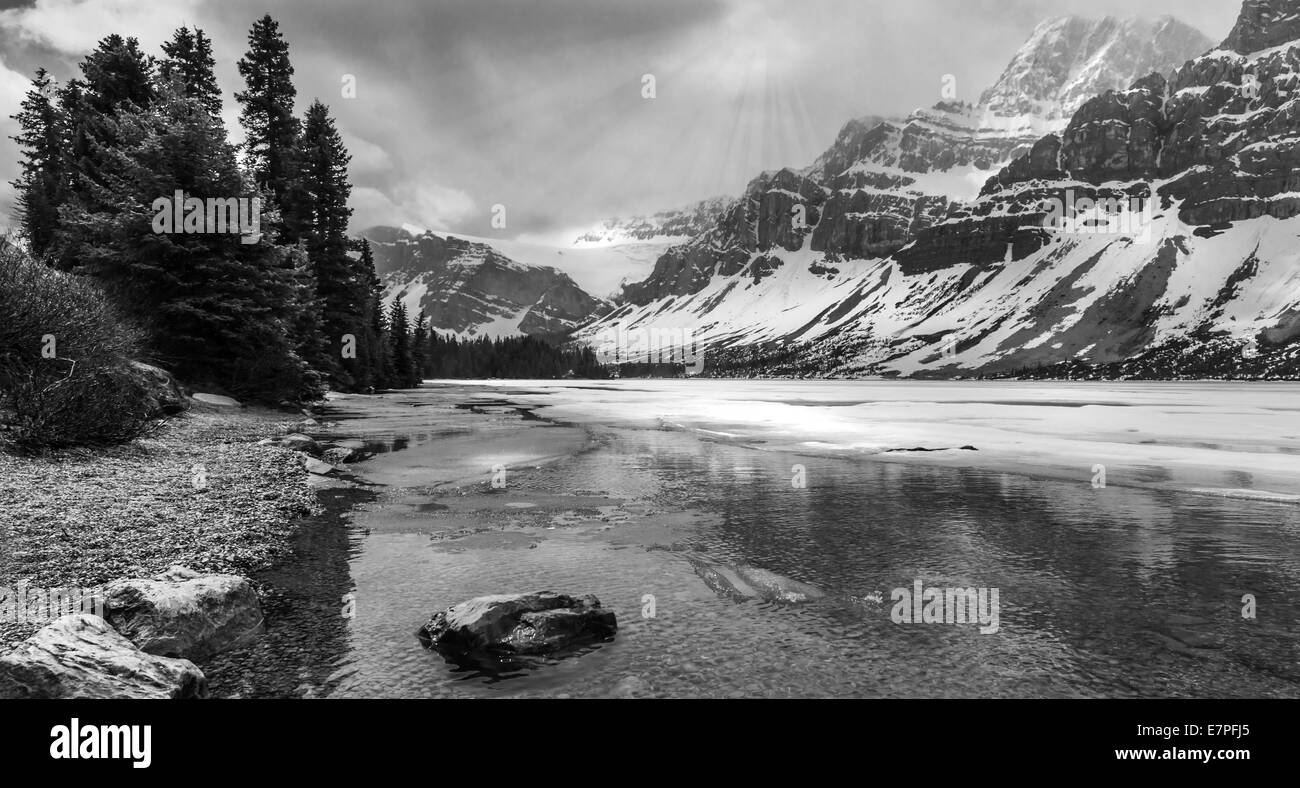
(513, 357)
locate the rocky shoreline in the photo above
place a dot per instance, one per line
(201, 492)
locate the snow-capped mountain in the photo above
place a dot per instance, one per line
(470, 288)
(674, 226)
(880, 183)
(495, 287)
(887, 273)
(1068, 60)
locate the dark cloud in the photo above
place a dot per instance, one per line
(537, 104)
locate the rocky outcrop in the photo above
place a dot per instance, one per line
(1068, 60)
(81, 656)
(163, 395)
(181, 613)
(1263, 24)
(1220, 134)
(518, 624)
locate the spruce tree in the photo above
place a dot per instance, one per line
(117, 81)
(418, 347)
(400, 332)
(216, 306)
(117, 72)
(320, 214)
(40, 186)
(267, 114)
(372, 355)
(189, 60)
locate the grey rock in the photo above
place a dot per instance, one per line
(218, 400)
(299, 442)
(163, 394)
(81, 656)
(317, 467)
(181, 613)
(536, 623)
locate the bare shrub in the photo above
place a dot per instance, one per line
(65, 378)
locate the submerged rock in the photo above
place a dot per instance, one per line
(742, 581)
(81, 656)
(778, 588)
(536, 623)
(181, 613)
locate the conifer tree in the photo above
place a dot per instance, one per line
(372, 350)
(189, 60)
(400, 337)
(40, 186)
(216, 305)
(267, 114)
(320, 210)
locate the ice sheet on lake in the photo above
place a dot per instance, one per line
(1223, 438)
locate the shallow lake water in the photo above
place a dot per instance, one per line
(1114, 592)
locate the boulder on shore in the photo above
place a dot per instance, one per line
(528, 624)
(181, 613)
(218, 400)
(163, 394)
(296, 441)
(317, 467)
(81, 656)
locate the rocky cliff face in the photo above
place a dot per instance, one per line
(1069, 60)
(1154, 221)
(1263, 24)
(471, 289)
(883, 182)
(1217, 142)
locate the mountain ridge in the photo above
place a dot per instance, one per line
(986, 286)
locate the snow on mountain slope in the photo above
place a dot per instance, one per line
(882, 183)
(885, 279)
(471, 289)
(1069, 60)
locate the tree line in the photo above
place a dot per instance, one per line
(280, 315)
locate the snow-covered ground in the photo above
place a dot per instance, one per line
(1220, 438)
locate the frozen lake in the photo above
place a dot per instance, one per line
(675, 492)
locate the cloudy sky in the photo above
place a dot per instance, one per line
(538, 105)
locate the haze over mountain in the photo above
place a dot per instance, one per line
(891, 275)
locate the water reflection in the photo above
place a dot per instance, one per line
(1103, 592)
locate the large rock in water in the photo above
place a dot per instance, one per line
(181, 613)
(536, 623)
(81, 656)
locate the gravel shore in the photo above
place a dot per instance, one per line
(198, 492)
